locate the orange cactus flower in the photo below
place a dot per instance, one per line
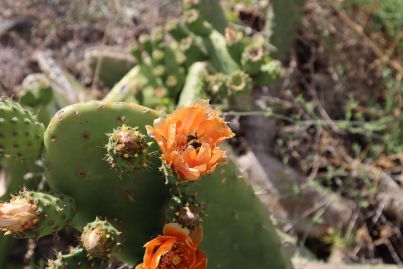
(189, 139)
(176, 248)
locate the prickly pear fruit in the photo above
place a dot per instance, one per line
(239, 82)
(100, 238)
(76, 258)
(36, 214)
(74, 163)
(253, 57)
(127, 149)
(236, 43)
(21, 135)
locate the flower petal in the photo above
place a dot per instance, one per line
(201, 260)
(197, 236)
(163, 249)
(176, 230)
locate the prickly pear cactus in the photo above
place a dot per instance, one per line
(75, 165)
(21, 135)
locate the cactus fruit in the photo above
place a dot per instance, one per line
(238, 231)
(74, 163)
(21, 134)
(185, 210)
(236, 43)
(127, 149)
(253, 57)
(35, 214)
(76, 258)
(239, 82)
(100, 238)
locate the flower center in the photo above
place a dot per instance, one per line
(178, 258)
(193, 141)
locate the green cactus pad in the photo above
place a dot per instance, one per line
(74, 162)
(127, 150)
(76, 258)
(21, 135)
(238, 233)
(100, 238)
(54, 212)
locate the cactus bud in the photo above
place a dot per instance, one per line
(35, 214)
(176, 29)
(216, 85)
(253, 57)
(100, 238)
(196, 24)
(185, 210)
(157, 56)
(238, 82)
(159, 70)
(236, 43)
(127, 149)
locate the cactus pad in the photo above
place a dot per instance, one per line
(21, 135)
(74, 162)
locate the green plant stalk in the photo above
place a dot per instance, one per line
(283, 19)
(194, 85)
(218, 53)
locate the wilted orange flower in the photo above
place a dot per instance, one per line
(176, 248)
(189, 139)
(17, 216)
